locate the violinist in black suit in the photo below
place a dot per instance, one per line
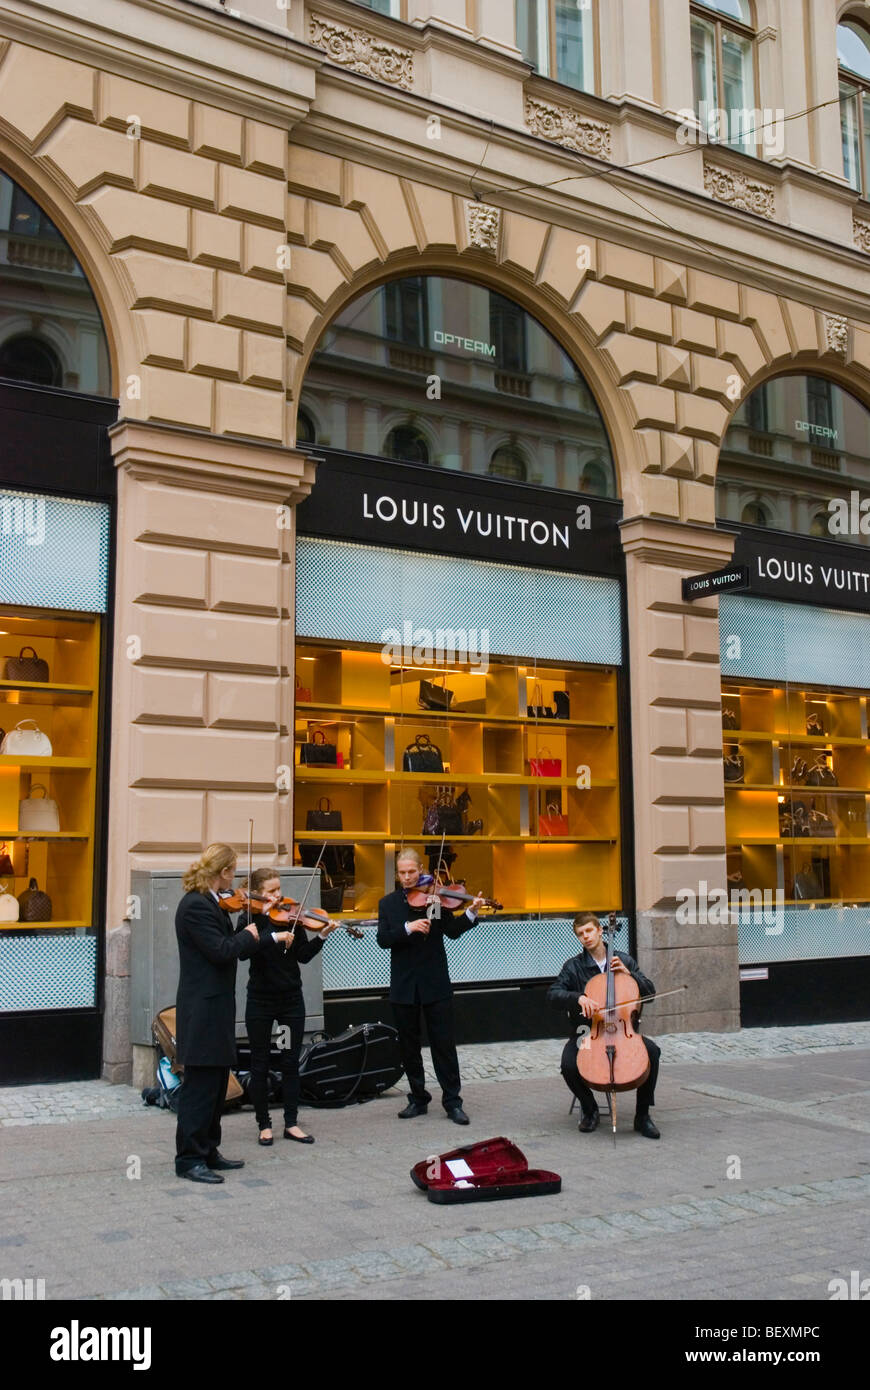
(206, 1011)
(568, 992)
(420, 980)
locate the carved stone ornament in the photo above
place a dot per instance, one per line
(354, 48)
(482, 224)
(567, 127)
(836, 333)
(738, 191)
(861, 234)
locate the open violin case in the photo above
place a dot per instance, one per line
(488, 1171)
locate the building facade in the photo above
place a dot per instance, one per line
(473, 316)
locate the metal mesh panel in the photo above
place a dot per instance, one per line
(47, 971)
(498, 949)
(54, 552)
(358, 593)
(808, 934)
(794, 642)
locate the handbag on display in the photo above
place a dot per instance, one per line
(734, 768)
(820, 775)
(37, 814)
(562, 701)
(25, 668)
(537, 709)
(729, 719)
(7, 869)
(553, 821)
(319, 751)
(323, 817)
(303, 693)
(545, 767)
(814, 724)
(436, 697)
(34, 904)
(821, 825)
(799, 770)
(24, 742)
(806, 885)
(331, 893)
(9, 908)
(422, 756)
(443, 816)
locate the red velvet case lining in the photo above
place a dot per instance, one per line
(498, 1170)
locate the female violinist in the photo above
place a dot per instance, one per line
(569, 992)
(275, 995)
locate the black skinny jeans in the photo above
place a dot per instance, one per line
(259, 1017)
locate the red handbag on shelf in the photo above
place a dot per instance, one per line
(303, 693)
(553, 822)
(545, 767)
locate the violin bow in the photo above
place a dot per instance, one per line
(301, 905)
(250, 867)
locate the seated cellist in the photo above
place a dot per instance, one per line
(568, 992)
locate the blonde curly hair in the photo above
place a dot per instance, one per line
(213, 860)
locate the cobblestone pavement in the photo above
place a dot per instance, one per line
(759, 1189)
(91, 1100)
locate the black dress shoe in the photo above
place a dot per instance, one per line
(411, 1110)
(458, 1116)
(644, 1125)
(220, 1163)
(299, 1138)
(589, 1122)
(199, 1173)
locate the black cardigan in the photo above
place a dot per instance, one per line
(274, 972)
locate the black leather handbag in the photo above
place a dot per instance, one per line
(734, 768)
(322, 817)
(422, 756)
(820, 775)
(319, 751)
(729, 719)
(433, 696)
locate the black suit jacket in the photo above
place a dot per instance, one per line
(575, 975)
(418, 963)
(208, 949)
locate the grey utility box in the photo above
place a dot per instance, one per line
(154, 951)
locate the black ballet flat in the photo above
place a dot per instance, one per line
(266, 1142)
(299, 1139)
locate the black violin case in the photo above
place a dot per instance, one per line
(488, 1171)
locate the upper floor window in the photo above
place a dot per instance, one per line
(853, 55)
(431, 370)
(382, 6)
(811, 469)
(723, 74)
(405, 316)
(556, 37)
(51, 332)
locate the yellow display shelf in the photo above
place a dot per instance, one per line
(10, 760)
(351, 837)
(66, 709)
(808, 740)
(369, 711)
(55, 924)
(308, 773)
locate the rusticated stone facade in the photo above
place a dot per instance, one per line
(229, 185)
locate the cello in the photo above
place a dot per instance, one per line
(613, 1057)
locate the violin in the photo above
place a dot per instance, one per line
(281, 912)
(613, 1057)
(450, 895)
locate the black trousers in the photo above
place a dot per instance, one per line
(645, 1094)
(439, 1027)
(198, 1133)
(259, 1016)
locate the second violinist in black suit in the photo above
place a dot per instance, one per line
(420, 981)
